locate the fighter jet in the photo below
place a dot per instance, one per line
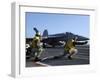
(58, 39)
(53, 40)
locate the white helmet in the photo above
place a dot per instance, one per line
(38, 34)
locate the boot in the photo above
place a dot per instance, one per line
(69, 57)
(37, 59)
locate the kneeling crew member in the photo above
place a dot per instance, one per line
(70, 47)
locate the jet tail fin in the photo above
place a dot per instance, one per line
(45, 33)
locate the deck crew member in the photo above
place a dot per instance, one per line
(70, 47)
(37, 46)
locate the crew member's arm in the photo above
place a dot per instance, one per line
(35, 30)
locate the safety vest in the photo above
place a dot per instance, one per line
(69, 44)
(35, 41)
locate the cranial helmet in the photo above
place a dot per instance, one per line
(38, 34)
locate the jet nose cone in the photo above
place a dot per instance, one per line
(81, 38)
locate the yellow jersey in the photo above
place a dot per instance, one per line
(35, 42)
(69, 44)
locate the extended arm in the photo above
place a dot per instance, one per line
(35, 30)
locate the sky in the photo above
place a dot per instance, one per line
(56, 23)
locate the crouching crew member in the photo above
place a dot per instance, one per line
(70, 47)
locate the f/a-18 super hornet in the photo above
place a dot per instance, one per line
(57, 39)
